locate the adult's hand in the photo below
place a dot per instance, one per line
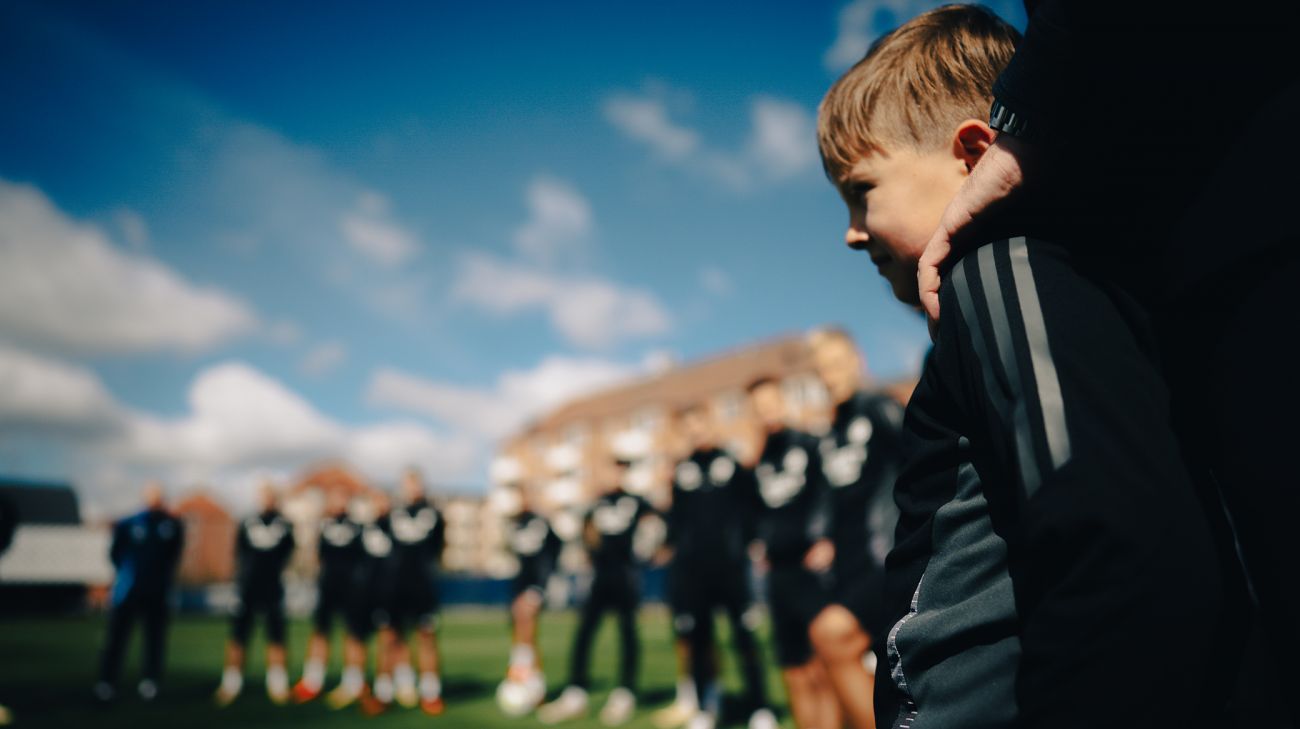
(994, 180)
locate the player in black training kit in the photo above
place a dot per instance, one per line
(609, 531)
(338, 548)
(793, 527)
(861, 456)
(411, 595)
(365, 612)
(709, 531)
(536, 546)
(262, 550)
(145, 550)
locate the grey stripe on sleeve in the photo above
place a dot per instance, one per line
(1040, 355)
(1025, 451)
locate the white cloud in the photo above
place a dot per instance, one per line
(238, 416)
(44, 395)
(324, 358)
(783, 141)
(283, 333)
(515, 397)
(589, 311)
(383, 451)
(716, 281)
(861, 22)
(779, 144)
(134, 228)
(241, 425)
(559, 219)
(65, 286)
(645, 119)
(370, 230)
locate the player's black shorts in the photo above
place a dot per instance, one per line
(333, 599)
(414, 604)
(269, 603)
(698, 591)
(795, 596)
(860, 588)
(617, 588)
(364, 615)
(529, 579)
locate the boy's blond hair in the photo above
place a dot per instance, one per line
(915, 85)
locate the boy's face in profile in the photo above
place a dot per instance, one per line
(895, 199)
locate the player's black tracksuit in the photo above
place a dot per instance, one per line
(410, 572)
(793, 511)
(262, 550)
(366, 608)
(709, 530)
(537, 547)
(338, 551)
(861, 456)
(609, 528)
(144, 550)
(1053, 565)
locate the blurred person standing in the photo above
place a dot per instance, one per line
(861, 457)
(365, 614)
(338, 550)
(262, 550)
(710, 526)
(145, 549)
(536, 546)
(609, 531)
(410, 592)
(793, 527)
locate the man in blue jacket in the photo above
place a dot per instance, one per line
(145, 549)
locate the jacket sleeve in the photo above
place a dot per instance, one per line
(1110, 553)
(117, 546)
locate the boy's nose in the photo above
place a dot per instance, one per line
(856, 238)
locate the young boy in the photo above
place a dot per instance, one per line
(709, 531)
(537, 548)
(366, 615)
(418, 533)
(338, 548)
(1053, 567)
(262, 549)
(860, 458)
(609, 530)
(792, 522)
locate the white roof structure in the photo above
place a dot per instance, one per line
(47, 554)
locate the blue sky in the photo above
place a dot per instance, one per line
(236, 238)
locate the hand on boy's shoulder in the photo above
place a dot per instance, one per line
(995, 178)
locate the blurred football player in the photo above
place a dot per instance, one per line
(366, 614)
(537, 549)
(793, 523)
(861, 456)
(262, 550)
(338, 549)
(609, 531)
(411, 591)
(709, 530)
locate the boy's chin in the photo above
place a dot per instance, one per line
(905, 290)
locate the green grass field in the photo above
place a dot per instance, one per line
(47, 666)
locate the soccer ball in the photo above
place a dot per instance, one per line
(516, 698)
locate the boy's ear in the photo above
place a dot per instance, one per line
(971, 140)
